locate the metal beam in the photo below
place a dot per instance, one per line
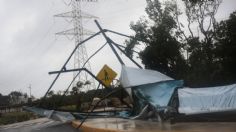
(125, 47)
(79, 69)
(80, 72)
(118, 46)
(64, 71)
(121, 34)
(64, 66)
(127, 55)
(109, 41)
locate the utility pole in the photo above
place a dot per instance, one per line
(30, 90)
(78, 31)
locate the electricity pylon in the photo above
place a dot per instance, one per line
(78, 32)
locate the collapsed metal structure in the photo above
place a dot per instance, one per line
(64, 69)
(109, 41)
(156, 95)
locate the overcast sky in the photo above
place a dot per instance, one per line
(29, 48)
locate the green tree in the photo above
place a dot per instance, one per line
(51, 93)
(226, 48)
(193, 49)
(74, 91)
(15, 93)
(4, 100)
(163, 51)
(200, 47)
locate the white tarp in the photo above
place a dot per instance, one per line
(207, 100)
(134, 77)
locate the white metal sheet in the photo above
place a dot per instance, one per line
(134, 77)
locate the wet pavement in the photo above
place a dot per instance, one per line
(38, 125)
(124, 125)
(117, 125)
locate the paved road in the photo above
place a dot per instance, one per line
(117, 124)
(124, 125)
(38, 125)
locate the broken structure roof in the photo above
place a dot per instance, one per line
(134, 77)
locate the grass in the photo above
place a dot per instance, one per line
(14, 117)
(68, 107)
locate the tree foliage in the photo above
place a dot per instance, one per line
(199, 49)
(226, 47)
(162, 50)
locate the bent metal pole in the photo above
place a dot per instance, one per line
(109, 41)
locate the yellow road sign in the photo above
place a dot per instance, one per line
(106, 75)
